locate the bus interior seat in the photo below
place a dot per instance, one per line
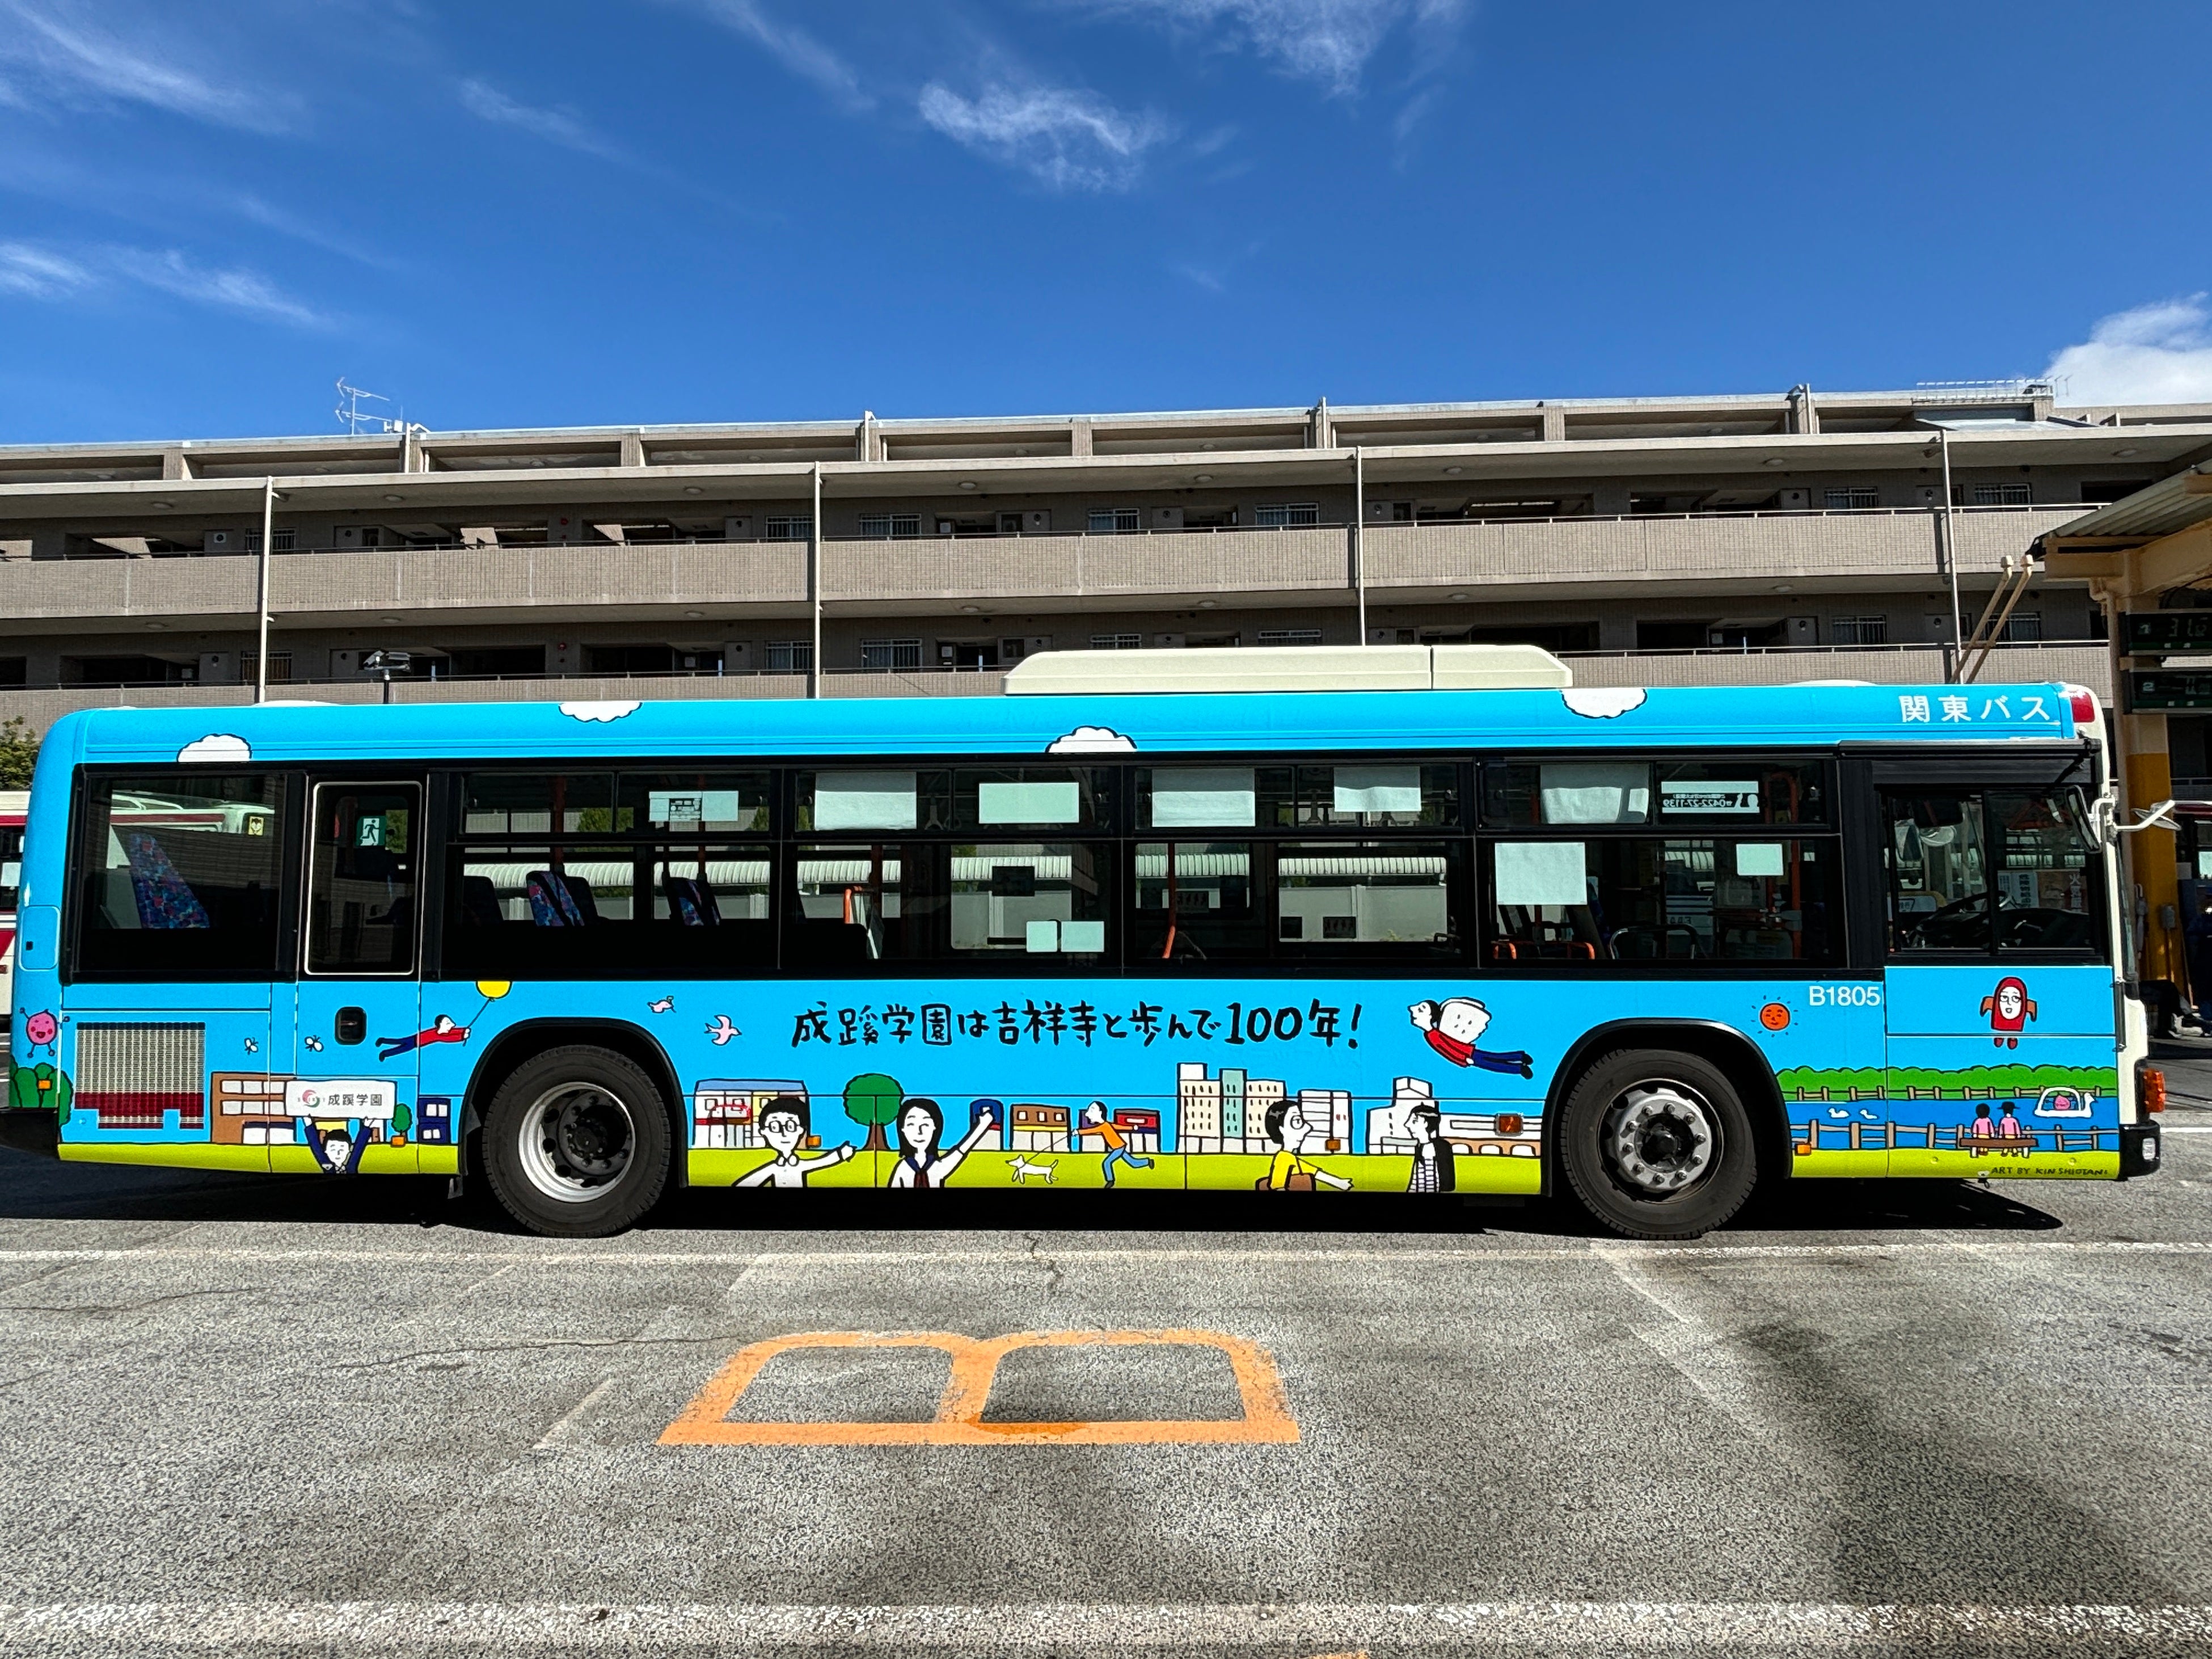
(560, 901)
(480, 902)
(163, 898)
(692, 902)
(831, 943)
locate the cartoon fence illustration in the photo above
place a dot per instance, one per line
(1266, 1417)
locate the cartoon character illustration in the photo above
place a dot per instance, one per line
(337, 1147)
(1023, 1168)
(1094, 1122)
(722, 1031)
(2009, 1008)
(660, 1005)
(252, 1046)
(1454, 1025)
(2008, 1125)
(314, 1045)
(442, 1030)
(1981, 1128)
(1435, 1159)
(785, 1124)
(920, 1127)
(2065, 1102)
(40, 1029)
(1289, 1173)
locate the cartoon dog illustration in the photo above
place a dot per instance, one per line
(1454, 1025)
(1023, 1169)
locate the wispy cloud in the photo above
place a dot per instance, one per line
(1070, 139)
(77, 59)
(552, 124)
(1329, 41)
(793, 47)
(36, 271)
(2159, 353)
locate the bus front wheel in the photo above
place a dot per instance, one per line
(1656, 1144)
(576, 1143)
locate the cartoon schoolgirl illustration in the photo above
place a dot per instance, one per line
(1289, 1173)
(442, 1030)
(920, 1127)
(1094, 1122)
(1454, 1025)
(785, 1124)
(1434, 1159)
(2009, 1008)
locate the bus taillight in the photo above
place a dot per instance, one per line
(2084, 704)
(2151, 1088)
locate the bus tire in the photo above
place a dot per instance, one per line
(1656, 1144)
(576, 1142)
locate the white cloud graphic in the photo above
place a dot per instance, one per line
(1604, 703)
(1092, 740)
(217, 747)
(599, 711)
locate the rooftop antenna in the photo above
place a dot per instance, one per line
(349, 410)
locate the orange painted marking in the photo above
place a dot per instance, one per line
(959, 1419)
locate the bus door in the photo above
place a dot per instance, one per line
(359, 1007)
(2002, 1050)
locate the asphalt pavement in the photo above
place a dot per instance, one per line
(295, 1416)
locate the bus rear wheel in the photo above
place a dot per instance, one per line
(1656, 1144)
(576, 1143)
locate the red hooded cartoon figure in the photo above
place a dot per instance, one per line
(2009, 1008)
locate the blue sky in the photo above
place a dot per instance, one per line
(585, 211)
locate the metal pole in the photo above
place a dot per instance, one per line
(1358, 521)
(814, 586)
(261, 603)
(1950, 559)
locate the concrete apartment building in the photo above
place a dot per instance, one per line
(1650, 541)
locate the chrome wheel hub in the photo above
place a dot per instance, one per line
(577, 1139)
(1660, 1138)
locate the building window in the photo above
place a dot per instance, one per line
(1282, 514)
(887, 525)
(283, 541)
(1290, 637)
(891, 653)
(790, 656)
(1116, 641)
(1998, 495)
(789, 528)
(1851, 498)
(280, 665)
(1113, 520)
(2024, 627)
(1859, 630)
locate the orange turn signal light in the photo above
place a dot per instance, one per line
(2150, 1089)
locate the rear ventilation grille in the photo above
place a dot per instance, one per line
(132, 1076)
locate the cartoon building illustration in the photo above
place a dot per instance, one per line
(995, 1138)
(434, 1120)
(1034, 1128)
(1229, 1113)
(725, 1111)
(1329, 1111)
(1139, 1126)
(249, 1109)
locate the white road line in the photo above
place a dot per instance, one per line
(2189, 1129)
(556, 1435)
(1285, 1254)
(1609, 1626)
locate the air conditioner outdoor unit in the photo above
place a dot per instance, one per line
(1167, 517)
(1037, 520)
(1171, 641)
(1803, 631)
(222, 541)
(945, 526)
(737, 656)
(1795, 501)
(738, 527)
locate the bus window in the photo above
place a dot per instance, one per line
(852, 904)
(177, 875)
(589, 909)
(1028, 797)
(540, 804)
(700, 803)
(1721, 793)
(361, 878)
(1197, 798)
(1196, 902)
(1034, 900)
(1364, 897)
(1640, 899)
(1952, 891)
(838, 802)
(1362, 795)
(1566, 791)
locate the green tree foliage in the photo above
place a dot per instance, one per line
(19, 753)
(873, 1099)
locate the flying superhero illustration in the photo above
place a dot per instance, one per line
(1454, 1025)
(442, 1030)
(2009, 1008)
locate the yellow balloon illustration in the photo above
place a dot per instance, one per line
(494, 988)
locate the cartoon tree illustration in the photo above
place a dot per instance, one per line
(42, 1087)
(873, 1099)
(402, 1118)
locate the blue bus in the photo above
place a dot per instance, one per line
(1415, 920)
